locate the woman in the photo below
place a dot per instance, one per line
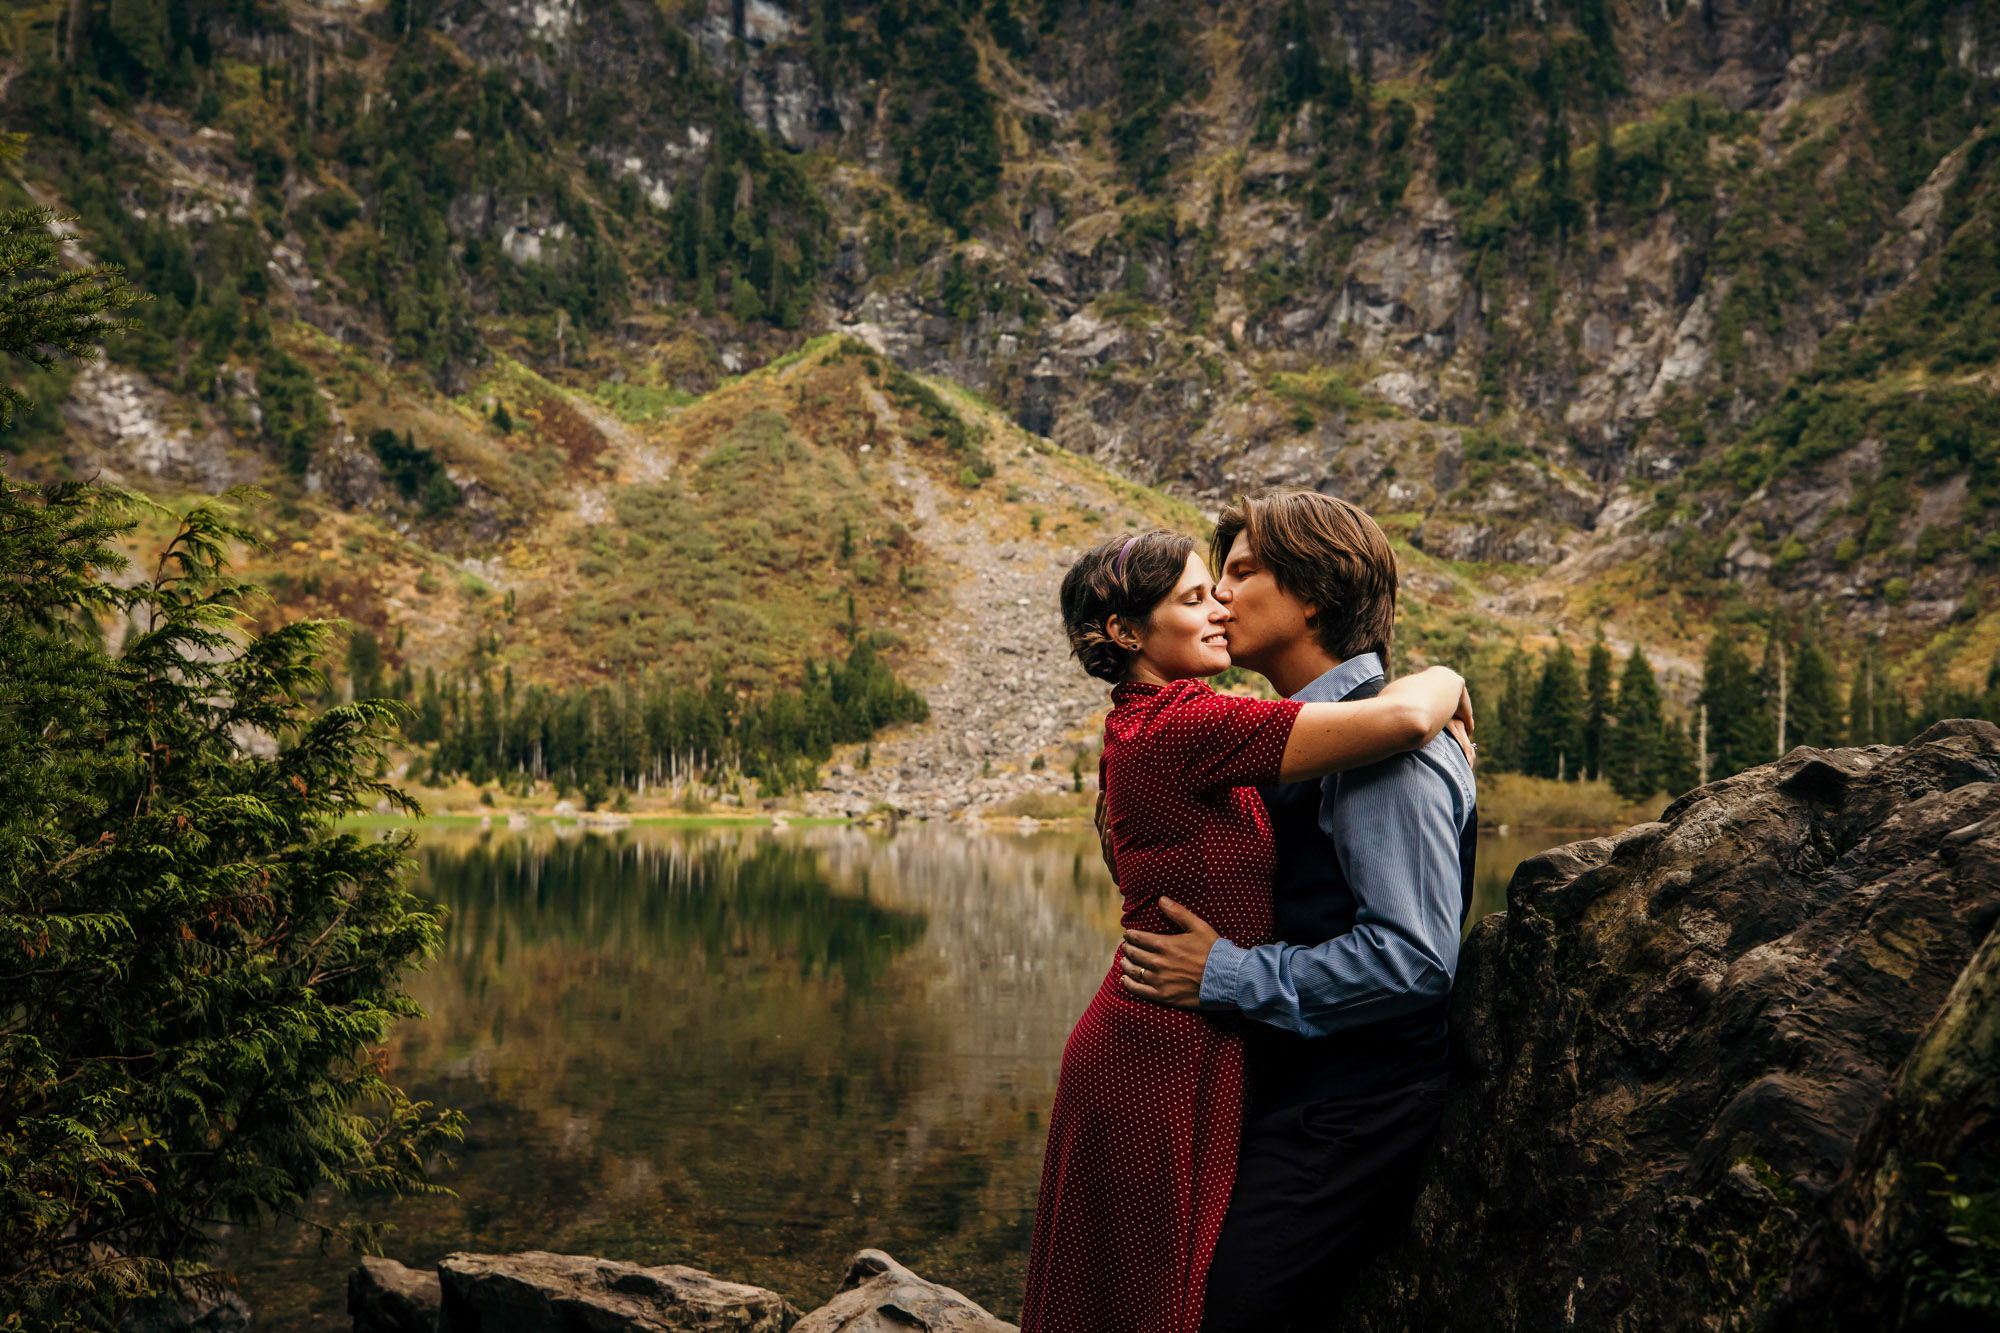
(1143, 1138)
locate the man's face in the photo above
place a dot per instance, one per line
(1264, 619)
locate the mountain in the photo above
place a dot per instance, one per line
(1655, 316)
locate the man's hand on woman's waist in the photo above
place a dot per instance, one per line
(1167, 969)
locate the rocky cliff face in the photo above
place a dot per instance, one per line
(1596, 299)
(1703, 1065)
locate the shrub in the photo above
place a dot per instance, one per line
(211, 960)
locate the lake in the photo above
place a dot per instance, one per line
(754, 1051)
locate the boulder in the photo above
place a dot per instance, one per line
(537, 1292)
(1881, 1256)
(879, 1295)
(1697, 1064)
(385, 1297)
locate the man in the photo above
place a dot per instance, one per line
(1374, 875)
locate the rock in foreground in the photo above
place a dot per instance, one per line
(537, 1292)
(1668, 1049)
(385, 1297)
(879, 1295)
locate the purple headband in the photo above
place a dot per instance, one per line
(1118, 565)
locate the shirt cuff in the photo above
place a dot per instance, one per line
(1218, 978)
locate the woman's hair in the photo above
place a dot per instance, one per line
(1322, 550)
(1125, 577)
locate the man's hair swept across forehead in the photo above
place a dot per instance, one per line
(1324, 551)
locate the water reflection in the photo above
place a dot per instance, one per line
(750, 1051)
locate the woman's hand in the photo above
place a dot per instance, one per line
(1460, 726)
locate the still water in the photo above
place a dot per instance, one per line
(751, 1051)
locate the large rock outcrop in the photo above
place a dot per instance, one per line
(1679, 1104)
(537, 1292)
(386, 1297)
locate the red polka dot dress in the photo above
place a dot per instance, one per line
(1149, 1106)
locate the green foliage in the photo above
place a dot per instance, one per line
(440, 496)
(1678, 770)
(1305, 72)
(1555, 722)
(1489, 453)
(1507, 750)
(938, 420)
(1597, 706)
(48, 312)
(661, 731)
(1876, 713)
(1633, 759)
(194, 964)
(638, 402)
(1926, 438)
(1740, 727)
(1156, 71)
(1964, 1272)
(1812, 712)
(406, 465)
(295, 417)
(947, 139)
(1325, 391)
(732, 558)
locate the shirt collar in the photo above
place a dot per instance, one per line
(1343, 680)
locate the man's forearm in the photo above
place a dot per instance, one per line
(1361, 977)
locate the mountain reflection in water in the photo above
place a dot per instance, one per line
(751, 1051)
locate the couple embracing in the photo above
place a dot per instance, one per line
(1244, 1104)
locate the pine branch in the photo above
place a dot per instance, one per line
(48, 312)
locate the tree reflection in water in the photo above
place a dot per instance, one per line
(752, 1052)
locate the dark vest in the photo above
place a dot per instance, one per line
(1314, 904)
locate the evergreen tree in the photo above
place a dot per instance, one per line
(1597, 706)
(1876, 712)
(1861, 709)
(48, 312)
(1555, 722)
(1510, 727)
(1738, 730)
(211, 959)
(1634, 758)
(1677, 766)
(1813, 717)
(364, 665)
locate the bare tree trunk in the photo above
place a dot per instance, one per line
(77, 28)
(1782, 701)
(1701, 749)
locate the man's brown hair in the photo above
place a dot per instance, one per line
(1324, 551)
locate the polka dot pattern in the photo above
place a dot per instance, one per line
(1149, 1106)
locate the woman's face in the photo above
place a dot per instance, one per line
(1184, 636)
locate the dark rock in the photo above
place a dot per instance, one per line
(1678, 1103)
(879, 1295)
(385, 1297)
(1939, 1128)
(537, 1292)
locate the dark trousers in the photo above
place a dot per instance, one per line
(1318, 1188)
